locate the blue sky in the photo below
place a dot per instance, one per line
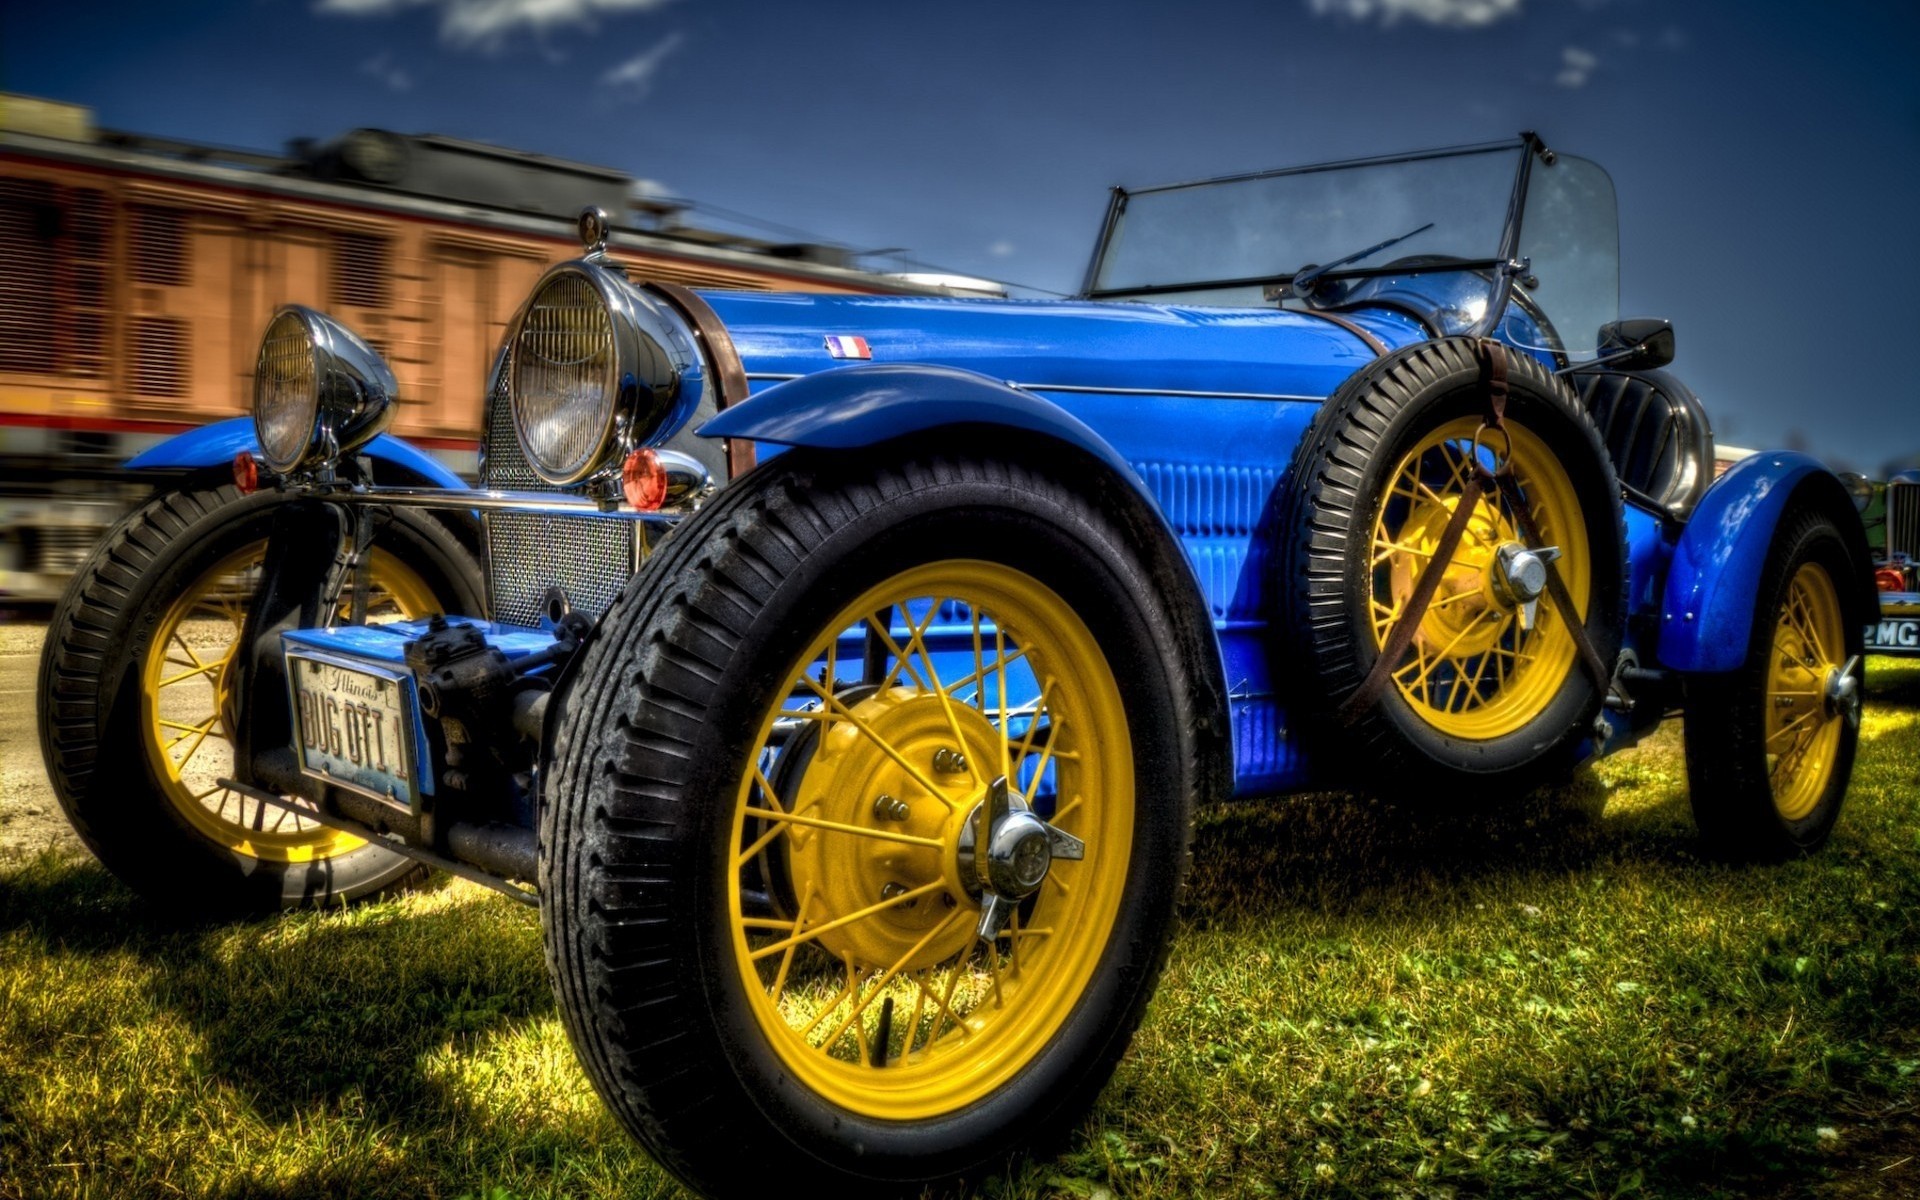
(1767, 155)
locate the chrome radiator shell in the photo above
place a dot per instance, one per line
(530, 553)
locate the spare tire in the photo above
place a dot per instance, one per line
(1481, 702)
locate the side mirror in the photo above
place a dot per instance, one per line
(1637, 344)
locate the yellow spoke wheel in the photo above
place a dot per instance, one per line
(876, 937)
(186, 680)
(1770, 744)
(1488, 699)
(866, 815)
(1474, 670)
(1803, 729)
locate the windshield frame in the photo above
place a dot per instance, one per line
(1501, 265)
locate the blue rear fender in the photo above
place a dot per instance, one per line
(851, 408)
(1706, 615)
(217, 444)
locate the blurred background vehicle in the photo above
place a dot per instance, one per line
(1891, 511)
(139, 272)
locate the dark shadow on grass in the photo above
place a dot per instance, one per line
(1893, 683)
(307, 1010)
(1345, 853)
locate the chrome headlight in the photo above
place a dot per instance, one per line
(318, 390)
(595, 368)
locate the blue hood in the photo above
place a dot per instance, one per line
(1068, 344)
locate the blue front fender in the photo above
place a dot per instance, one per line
(217, 444)
(1706, 618)
(849, 407)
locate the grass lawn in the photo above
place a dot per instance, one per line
(1561, 999)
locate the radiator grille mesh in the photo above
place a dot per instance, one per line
(528, 553)
(589, 558)
(1903, 519)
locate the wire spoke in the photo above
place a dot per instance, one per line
(878, 835)
(859, 914)
(885, 747)
(918, 639)
(182, 643)
(1790, 726)
(899, 656)
(786, 957)
(207, 669)
(891, 973)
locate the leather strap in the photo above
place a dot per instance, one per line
(1597, 668)
(1494, 392)
(730, 377)
(1358, 330)
(1401, 636)
(1493, 381)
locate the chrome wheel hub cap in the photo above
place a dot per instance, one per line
(1005, 851)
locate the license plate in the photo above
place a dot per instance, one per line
(354, 726)
(1896, 635)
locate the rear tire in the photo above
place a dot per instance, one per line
(132, 679)
(1769, 753)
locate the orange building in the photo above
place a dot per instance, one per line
(136, 275)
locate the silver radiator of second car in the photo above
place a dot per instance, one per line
(528, 554)
(1903, 519)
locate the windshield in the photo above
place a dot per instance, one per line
(1570, 238)
(1269, 226)
(1421, 231)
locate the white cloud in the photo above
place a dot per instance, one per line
(1001, 249)
(1576, 67)
(633, 77)
(487, 23)
(1672, 38)
(382, 67)
(1460, 14)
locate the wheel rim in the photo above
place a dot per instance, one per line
(869, 921)
(1803, 724)
(186, 683)
(1472, 670)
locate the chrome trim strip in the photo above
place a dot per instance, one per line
(1084, 389)
(489, 501)
(1123, 391)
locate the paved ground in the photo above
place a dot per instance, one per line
(30, 818)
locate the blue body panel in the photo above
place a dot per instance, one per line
(1199, 408)
(1706, 616)
(858, 406)
(217, 444)
(388, 643)
(1132, 348)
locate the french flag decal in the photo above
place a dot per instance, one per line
(848, 347)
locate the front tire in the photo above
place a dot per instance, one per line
(783, 955)
(134, 680)
(1770, 745)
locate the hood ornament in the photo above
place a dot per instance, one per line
(594, 226)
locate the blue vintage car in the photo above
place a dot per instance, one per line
(843, 672)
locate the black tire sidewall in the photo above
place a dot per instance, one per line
(117, 803)
(1569, 715)
(1728, 785)
(796, 1133)
(1391, 743)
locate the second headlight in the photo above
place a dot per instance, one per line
(594, 369)
(319, 391)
